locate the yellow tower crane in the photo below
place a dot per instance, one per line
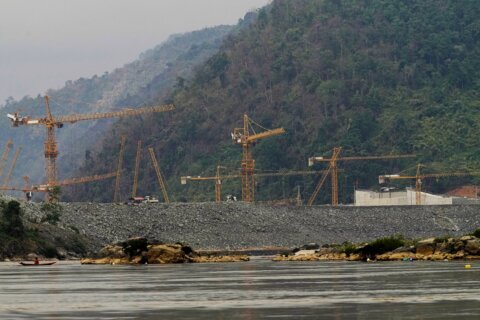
(72, 181)
(333, 170)
(29, 189)
(419, 177)
(243, 137)
(219, 178)
(50, 122)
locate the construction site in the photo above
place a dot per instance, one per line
(246, 176)
(232, 222)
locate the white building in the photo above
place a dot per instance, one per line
(404, 198)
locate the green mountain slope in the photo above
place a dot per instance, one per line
(372, 76)
(174, 58)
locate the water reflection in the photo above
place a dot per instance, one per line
(258, 289)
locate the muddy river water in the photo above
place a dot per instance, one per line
(259, 289)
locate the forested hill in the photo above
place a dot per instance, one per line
(372, 76)
(174, 58)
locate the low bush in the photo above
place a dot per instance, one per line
(476, 233)
(348, 248)
(441, 239)
(382, 245)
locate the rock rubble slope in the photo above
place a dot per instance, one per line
(239, 225)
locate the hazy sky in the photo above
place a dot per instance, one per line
(44, 43)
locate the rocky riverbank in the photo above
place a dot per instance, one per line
(237, 225)
(22, 238)
(142, 251)
(392, 249)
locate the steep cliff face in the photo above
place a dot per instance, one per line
(374, 77)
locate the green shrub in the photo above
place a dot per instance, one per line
(383, 245)
(49, 251)
(347, 248)
(13, 223)
(53, 212)
(51, 218)
(476, 233)
(441, 239)
(134, 246)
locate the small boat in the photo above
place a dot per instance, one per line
(33, 264)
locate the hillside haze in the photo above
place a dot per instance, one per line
(372, 76)
(162, 65)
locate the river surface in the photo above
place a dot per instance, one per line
(259, 289)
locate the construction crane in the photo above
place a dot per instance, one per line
(50, 123)
(137, 167)
(6, 180)
(28, 189)
(72, 181)
(116, 192)
(218, 178)
(333, 170)
(161, 180)
(419, 177)
(243, 137)
(218, 185)
(5, 153)
(332, 163)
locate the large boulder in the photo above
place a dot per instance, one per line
(113, 251)
(425, 249)
(166, 253)
(140, 251)
(472, 246)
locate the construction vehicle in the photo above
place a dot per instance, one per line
(150, 199)
(333, 170)
(50, 122)
(243, 137)
(419, 177)
(138, 200)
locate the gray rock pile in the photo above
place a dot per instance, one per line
(237, 225)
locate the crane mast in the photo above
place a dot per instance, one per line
(336, 153)
(51, 148)
(161, 180)
(218, 185)
(242, 136)
(116, 193)
(137, 167)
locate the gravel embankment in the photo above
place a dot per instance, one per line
(238, 225)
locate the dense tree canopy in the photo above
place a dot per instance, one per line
(372, 76)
